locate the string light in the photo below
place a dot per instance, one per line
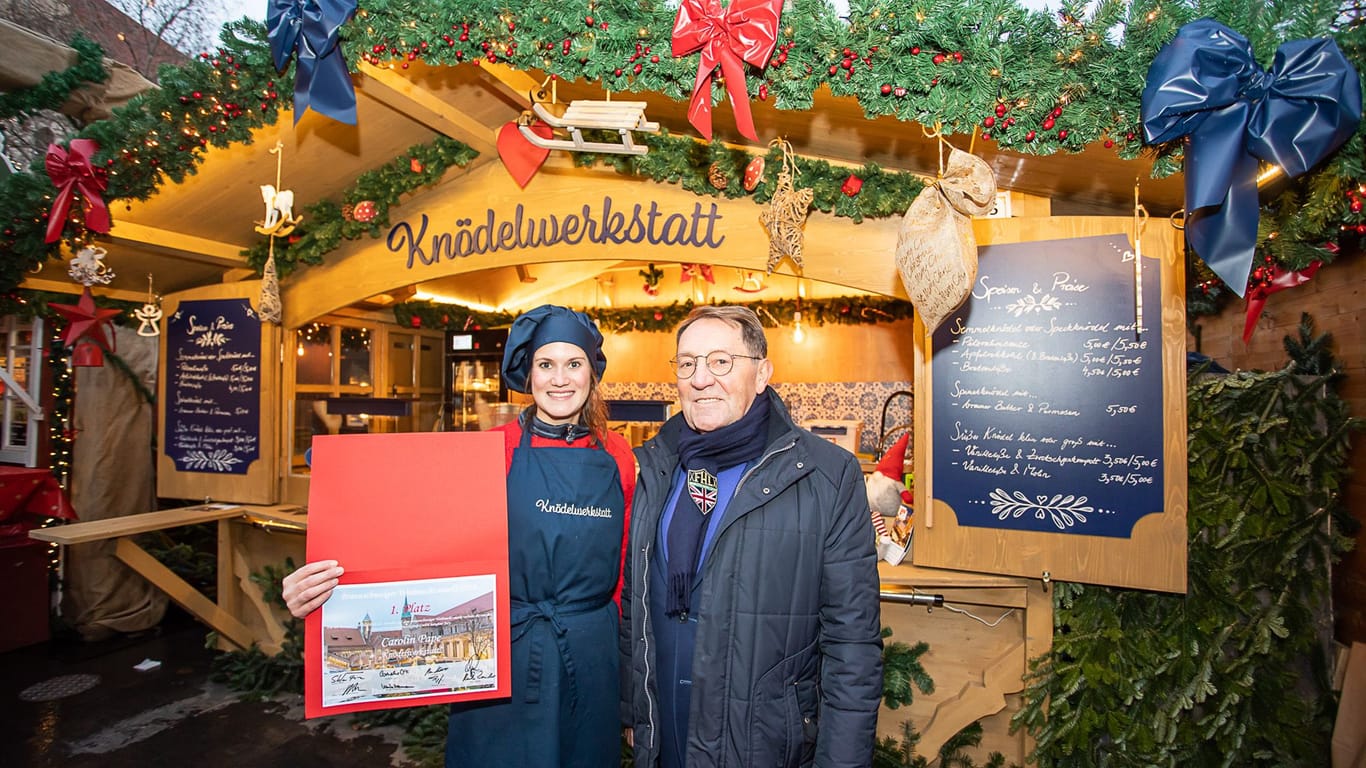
(798, 332)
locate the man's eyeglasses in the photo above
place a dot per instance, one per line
(718, 363)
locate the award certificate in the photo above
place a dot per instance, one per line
(409, 640)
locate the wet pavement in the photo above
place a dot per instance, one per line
(73, 704)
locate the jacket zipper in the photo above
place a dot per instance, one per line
(763, 461)
(645, 636)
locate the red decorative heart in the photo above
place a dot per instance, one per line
(519, 156)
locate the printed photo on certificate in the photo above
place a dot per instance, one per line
(409, 640)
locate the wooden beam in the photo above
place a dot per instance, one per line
(403, 96)
(188, 247)
(238, 275)
(516, 83)
(184, 595)
(66, 286)
(132, 525)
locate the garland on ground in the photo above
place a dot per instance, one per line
(844, 310)
(1032, 82)
(1234, 671)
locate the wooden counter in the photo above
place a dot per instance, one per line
(980, 642)
(240, 616)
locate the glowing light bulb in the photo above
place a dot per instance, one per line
(798, 332)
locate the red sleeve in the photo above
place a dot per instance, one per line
(626, 464)
(512, 435)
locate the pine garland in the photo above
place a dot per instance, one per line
(55, 87)
(326, 224)
(160, 136)
(844, 310)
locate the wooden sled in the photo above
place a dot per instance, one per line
(624, 117)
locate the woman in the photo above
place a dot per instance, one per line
(566, 525)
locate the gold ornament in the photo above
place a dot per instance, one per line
(786, 214)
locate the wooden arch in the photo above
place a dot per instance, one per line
(684, 228)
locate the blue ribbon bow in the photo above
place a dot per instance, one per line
(321, 80)
(1205, 84)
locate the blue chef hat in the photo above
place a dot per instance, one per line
(540, 326)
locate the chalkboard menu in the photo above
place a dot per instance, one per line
(213, 387)
(1047, 404)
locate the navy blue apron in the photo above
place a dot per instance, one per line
(565, 520)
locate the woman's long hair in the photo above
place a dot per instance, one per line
(593, 415)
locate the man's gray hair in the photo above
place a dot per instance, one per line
(751, 329)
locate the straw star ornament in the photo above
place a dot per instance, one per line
(786, 215)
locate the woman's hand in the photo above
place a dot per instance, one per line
(310, 586)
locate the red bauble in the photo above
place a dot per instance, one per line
(851, 185)
(415, 165)
(415, 321)
(886, 89)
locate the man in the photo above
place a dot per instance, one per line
(750, 618)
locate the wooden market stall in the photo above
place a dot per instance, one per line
(409, 212)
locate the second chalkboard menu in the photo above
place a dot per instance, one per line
(213, 387)
(1048, 391)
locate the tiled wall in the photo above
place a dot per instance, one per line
(837, 401)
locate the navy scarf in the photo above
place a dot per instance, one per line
(709, 453)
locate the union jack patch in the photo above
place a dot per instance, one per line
(702, 489)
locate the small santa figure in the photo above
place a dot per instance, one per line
(888, 497)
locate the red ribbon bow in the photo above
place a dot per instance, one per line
(1280, 280)
(690, 271)
(745, 30)
(71, 171)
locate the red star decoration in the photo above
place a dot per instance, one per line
(86, 320)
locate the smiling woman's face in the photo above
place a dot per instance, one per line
(710, 402)
(560, 380)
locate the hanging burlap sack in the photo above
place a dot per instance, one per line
(936, 252)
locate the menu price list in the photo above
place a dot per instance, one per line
(1047, 399)
(213, 366)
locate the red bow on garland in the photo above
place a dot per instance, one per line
(745, 30)
(1280, 280)
(690, 271)
(71, 171)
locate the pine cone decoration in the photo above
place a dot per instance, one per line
(717, 176)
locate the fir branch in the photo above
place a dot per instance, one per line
(1217, 676)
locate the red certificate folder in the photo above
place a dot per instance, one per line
(400, 512)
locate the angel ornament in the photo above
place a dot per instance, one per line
(149, 314)
(88, 267)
